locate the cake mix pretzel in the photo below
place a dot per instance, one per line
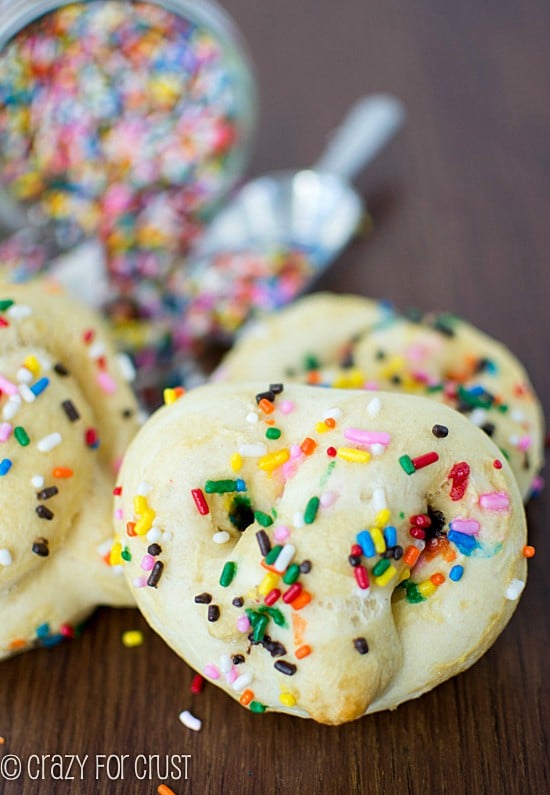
(325, 553)
(436, 355)
(66, 416)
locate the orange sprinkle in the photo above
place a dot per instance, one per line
(303, 651)
(308, 446)
(62, 472)
(313, 377)
(449, 555)
(528, 552)
(266, 406)
(18, 643)
(246, 698)
(165, 790)
(179, 391)
(411, 555)
(299, 625)
(303, 599)
(269, 421)
(131, 528)
(2, 740)
(437, 578)
(330, 422)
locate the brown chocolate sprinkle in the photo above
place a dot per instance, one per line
(305, 566)
(237, 659)
(440, 431)
(70, 410)
(213, 612)
(263, 542)
(276, 388)
(46, 493)
(238, 601)
(285, 667)
(40, 547)
(361, 645)
(43, 512)
(156, 574)
(154, 550)
(203, 598)
(60, 369)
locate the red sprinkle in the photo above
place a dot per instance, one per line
(497, 464)
(272, 597)
(200, 501)
(66, 630)
(361, 576)
(356, 550)
(91, 437)
(425, 460)
(197, 684)
(294, 591)
(88, 335)
(420, 520)
(459, 475)
(417, 532)
(3, 322)
(331, 451)
(117, 491)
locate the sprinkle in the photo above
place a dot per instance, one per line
(62, 472)
(220, 486)
(91, 438)
(5, 557)
(211, 671)
(156, 574)
(308, 446)
(263, 542)
(425, 460)
(44, 512)
(132, 638)
(468, 526)
(284, 667)
(406, 464)
(203, 598)
(19, 311)
(221, 537)
(411, 555)
(364, 539)
(286, 407)
(7, 387)
(418, 532)
(70, 410)
(243, 623)
(495, 501)
(242, 681)
(12, 407)
(287, 699)
(390, 536)
(363, 437)
(263, 518)
(332, 452)
(273, 433)
(528, 552)
(426, 588)
(291, 574)
(46, 494)
(228, 573)
(48, 443)
(252, 418)
(514, 589)
(266, 405)
(302, 651)
(465, 543)
(440, 431)
(456, 573)
(200, 501)
(303, 599)
(353, 456)
(361, 577)
(190, 721)
(5, 466)
(381, 567)
(40, 547)
(37, 481)
(361, 645)
(213, 613)
(5, 431)
(197, 684)
(284, 557)
(268, 583)
(459, 475)
(255, 706)
(273, 460)
(437, 578)
(273, 596)
(147, 562)
(291, 594)
(246, 697)
(281, 533)
(311, 510)
(378, 540)
(374, 407)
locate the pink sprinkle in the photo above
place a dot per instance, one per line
(106, 382)
(243, 623)
(328, 498)
(495, 501)
(147, 562)
(140, 582)
(119, 513)
(372, 386)
(416, 352)
(295, 451)
(231, 675)
(468, 526)
(281, 533)
(211, 671)
(5, 431)
(360, 436)
(7, 386)
(524, 443)
(286, 406)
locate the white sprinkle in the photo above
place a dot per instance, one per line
(221, 538)
(478, 416)
(298, 520)
(226, 663)
(19, 311)
(24, 376)
(12, 407)
(154, 535)
(252, 418)
(105, 547)
(139, 582)
(190, 721)
(377, 449)
(374, 407)
(143, 489)
(141, 417)
(514, 440)
(27, 395)
(242, 681)
(514, 590)
(96, 350)
(335, 413)
(5, 557)
(379, 499)
(37, 481)
(44, 362)
(517, 415)
(284, 557)
(126, 367)
(252, 450)
(48, 443)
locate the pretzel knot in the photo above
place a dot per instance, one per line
(325, 553)
(66, 416)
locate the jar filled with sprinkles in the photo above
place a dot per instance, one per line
(125, 122)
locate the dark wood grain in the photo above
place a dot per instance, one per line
(460, 205)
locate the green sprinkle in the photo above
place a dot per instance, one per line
(291, 574)
(5, 303)
(311, 362)
(263, 518)
(253, 616)
(502, 407)
(21, 435)
(381, 567)
(505, 454)
(256, 706)
(434, 388)
(273, 433)
(407, 464)
(273, 554)
(220, 486)
(275, 614)
(228, 572)
(413, 594)
(260, 628)
(311, 510)
(327, 474)
(483, 401)
(126, 554)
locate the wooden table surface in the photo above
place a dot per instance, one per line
(460, 205)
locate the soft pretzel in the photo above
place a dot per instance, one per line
(325, 553)
(67, 415)
(437, 355)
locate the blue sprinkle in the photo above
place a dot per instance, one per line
(5, 466)
(364, 539)
(456, 573)
(465, 543)
(43, 631)
(39, 386)
(240, 484)
(476, 391)
(51, 640)
(390, 536)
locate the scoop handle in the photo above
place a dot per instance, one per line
(366, 129)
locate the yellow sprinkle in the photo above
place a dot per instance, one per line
(353, 456)
(321, 427)
(115, 555)
(382, 517)
(236, 462)
(378, 540)
(405, 574)
(385, 578)
(268, 583)
(287, 699)
(32, 364)
(273, 460)
(143, 525)
(131, 638)
(426, 588)
(169, 396)
(140, 504)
